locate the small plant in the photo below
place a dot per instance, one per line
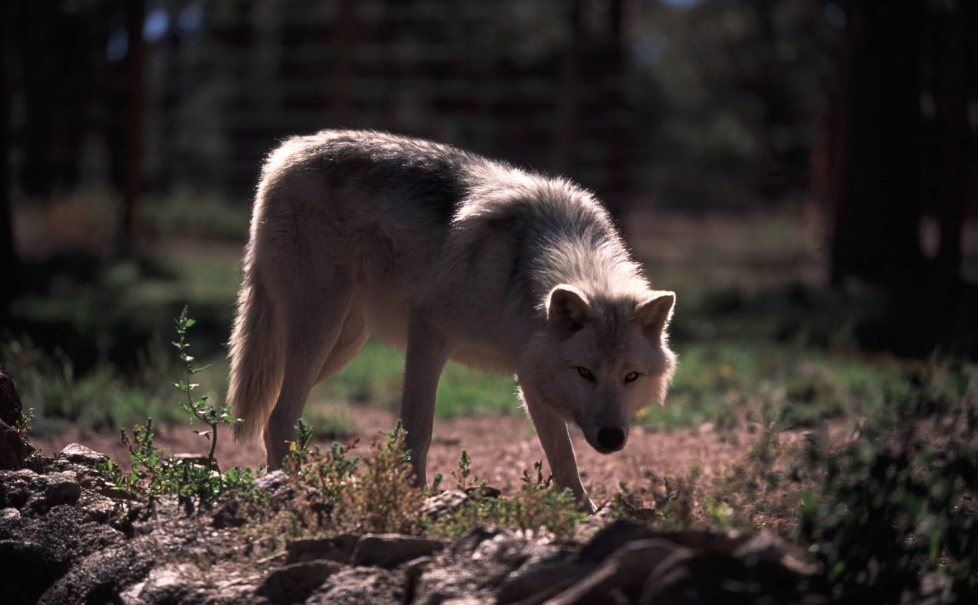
(320, 478)
(23, 426)
(153, 472)
(199, 409)
(539, 509)
(384, 497)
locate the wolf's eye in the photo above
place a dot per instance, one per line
(586, 373)
(632, 376)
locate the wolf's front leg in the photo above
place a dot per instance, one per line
(556, 442)
(427, 353)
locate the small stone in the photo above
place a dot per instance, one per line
(294, 583)
(624, 572)
(443, 504)
(59, 488)
(79, 454)
(339, 548)
(540, 581)
(389, 550)
(9, 514)
(273, 482)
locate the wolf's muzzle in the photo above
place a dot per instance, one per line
(611, 439)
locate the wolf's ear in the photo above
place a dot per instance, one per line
(653, 314)
(567, 309)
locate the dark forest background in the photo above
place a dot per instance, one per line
(132, 133)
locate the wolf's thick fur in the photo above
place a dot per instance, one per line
(452, 256)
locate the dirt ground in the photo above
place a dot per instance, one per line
(501, 449)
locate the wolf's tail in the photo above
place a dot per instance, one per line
(257, 357)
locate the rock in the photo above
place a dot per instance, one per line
(15, 487)
(444, 504)
(59, 488)
(100, 576)
(389, 550)
(10, 405)
(272, 482)
(538, 582)
(8, 515)
(359, 585)
(609, 539)
(623, 573)
(715, 577)
(79, 454)
(294, 583)
(14, 450)
(39, 549)
(339, 548)
(172, 585)
(27, 568)
(478, 564)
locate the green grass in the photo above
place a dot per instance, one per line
(376, 374)
(724, 383)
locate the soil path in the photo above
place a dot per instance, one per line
(501, 449)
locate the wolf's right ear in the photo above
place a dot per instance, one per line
(654, 313)
(567, 309)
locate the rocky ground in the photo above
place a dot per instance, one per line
(66, 536)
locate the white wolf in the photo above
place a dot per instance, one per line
(452, 256)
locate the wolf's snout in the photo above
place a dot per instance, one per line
(611, 439)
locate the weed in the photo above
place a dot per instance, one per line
(198, 408)
(383, 497)
(540, 509)
(23, 426)
(153, 473)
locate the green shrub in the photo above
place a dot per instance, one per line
(898, 501)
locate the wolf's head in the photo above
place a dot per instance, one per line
(600, 360)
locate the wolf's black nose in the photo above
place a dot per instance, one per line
(611, 439)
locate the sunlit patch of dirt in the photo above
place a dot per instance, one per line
(501, 449)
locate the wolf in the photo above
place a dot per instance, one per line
(448, 255)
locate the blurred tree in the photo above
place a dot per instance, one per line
(742, 89)
(877, 197)
(8, 257)
(136, 102)
(567, 139)
(955, 88)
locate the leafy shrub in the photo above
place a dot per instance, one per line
(153, 473)
(899, 500)
(540, 509)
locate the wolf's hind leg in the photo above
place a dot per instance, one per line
(427, 353)
(313, 321)
(556, 442)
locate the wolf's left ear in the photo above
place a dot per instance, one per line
(653, 314)
(567, 309)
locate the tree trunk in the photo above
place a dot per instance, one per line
(877, 203)
(132, 186)
(569, 101)
(8, 257)
(616, 112)
(956, 65)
